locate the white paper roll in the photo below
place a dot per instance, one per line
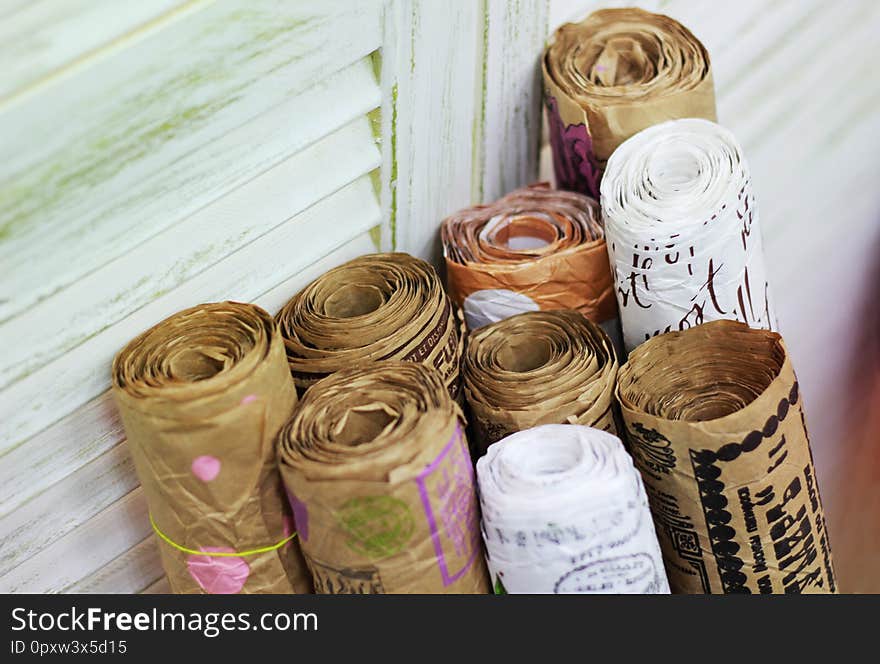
(565, 511)
(682, 230)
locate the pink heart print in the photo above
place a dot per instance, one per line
(206, 468)
(218, 575)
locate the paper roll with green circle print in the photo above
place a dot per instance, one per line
(715, 423)
(379, 475)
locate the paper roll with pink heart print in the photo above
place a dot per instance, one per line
(202, 396)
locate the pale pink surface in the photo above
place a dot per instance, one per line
(206, 468)
(223, 575)
(250, 398)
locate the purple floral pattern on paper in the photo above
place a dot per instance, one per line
(573, 160)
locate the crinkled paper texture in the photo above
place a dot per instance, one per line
(684, 234)
(377, 307)
(534, 249)
(715, 423)
(202, 396)
(547, 367)
(565, 511)
(376, 461)
(613, 74)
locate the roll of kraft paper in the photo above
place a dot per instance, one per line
(715, 424)
(381, 483)
(376, 307)
(535, 248)
(564, 511)
(542, 367)
(684, 238)
(612, 75)
(202, 396)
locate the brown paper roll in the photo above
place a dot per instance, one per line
(377, 468)
(613, 74)
(202, 396)
(376, 307)
(535, 248)
(715, 424)
(543, 367)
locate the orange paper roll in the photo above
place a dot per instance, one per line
(534, 249)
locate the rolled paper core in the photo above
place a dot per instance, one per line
(376, 307)
(684, 236)
(613, 74)
(565, 511)
(202, 396)
(535, 248)
(376, 462)
(714, 420)
(543, 367)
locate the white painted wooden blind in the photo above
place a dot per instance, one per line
(154, 155)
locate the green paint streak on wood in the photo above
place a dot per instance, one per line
(392, 180)
(376, 237)
(107, 148)
(478, 144)
(413, 28)
(376, 62)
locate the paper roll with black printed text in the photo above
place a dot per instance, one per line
(565, 511)
(534, 249)
(202, 396)
(715, 423)
(542, 367)
(613, 74)
(379, 475)
(684, 236)
(376, 307)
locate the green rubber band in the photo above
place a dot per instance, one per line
(218, 554)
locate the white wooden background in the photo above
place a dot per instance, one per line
(159, 153)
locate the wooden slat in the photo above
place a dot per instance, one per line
(82, 551)
(94, 429)
(159, 264)
(39, 37)
(125, 147)
(66, 505)
(126, 573)
(81, 560)
(82, 373)
(510, 109)
(430, 113)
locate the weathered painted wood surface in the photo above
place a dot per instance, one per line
(192, 152)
